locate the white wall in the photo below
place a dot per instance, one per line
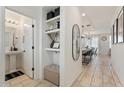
(70, 69)
(2, 59)
(104, 45)
(117, 60)
(30, 11)
(117, 55)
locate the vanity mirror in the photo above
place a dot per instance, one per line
(8, 38)
(11, 39)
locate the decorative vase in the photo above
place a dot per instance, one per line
(52, 43)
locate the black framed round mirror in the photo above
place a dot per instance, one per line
(75, 42)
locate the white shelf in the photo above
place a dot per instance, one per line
(52, 50)
(53, 31)
(52, 19)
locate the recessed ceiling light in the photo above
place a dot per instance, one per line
(83, 14)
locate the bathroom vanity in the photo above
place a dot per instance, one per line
(12, 60)
(19, 36)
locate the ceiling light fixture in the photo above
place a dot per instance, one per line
(83, 14)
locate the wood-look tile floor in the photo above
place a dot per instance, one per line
(25, 81)
(99, 73)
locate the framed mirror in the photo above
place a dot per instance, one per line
(8, 39)
(75, 42)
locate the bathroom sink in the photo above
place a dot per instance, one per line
(13, 52)
(12, 55)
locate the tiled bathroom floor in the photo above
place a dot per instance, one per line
(25, 81)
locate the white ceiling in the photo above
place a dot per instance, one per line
(100, 17)
(30, 11)
(12, 15)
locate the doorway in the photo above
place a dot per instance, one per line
(19, 45)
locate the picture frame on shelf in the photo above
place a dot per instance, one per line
(56, 45)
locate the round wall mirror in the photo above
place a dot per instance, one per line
(75, 42)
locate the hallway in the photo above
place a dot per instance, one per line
(57, 40)
(98, 73)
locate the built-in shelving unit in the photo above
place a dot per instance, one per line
(52, 31)
(51, 22)
(53, 19)
(52, 50)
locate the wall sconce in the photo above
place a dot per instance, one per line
(10, 21)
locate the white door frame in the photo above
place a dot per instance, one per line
(2, 50)
(2, 47)
(33, 57)
(31, 45)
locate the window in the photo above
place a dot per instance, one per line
(94, 42)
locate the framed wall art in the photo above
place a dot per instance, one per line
(112, 34)
(120, 28)
(115, 32)
(56, 45)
